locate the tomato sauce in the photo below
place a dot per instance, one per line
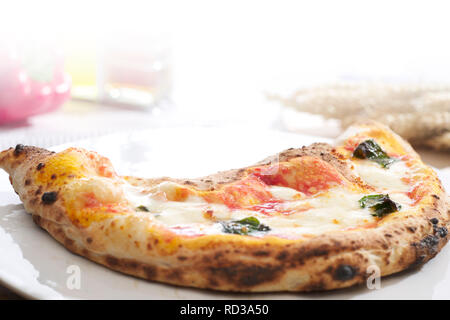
(308, 175)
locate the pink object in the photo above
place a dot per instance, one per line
(27, 89)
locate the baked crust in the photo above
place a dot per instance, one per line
(231, 262)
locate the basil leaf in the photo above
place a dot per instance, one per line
(369, 149)
(250, 221)
(370, 200)
(244, 226)
(142, 208)
(380, 204)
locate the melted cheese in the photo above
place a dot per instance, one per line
(284, 193)
(337, 209)
(288, 212)
(291, 214)
(389, 179)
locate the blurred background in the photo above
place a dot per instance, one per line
(77, 69)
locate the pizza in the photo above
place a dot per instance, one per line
(306, 219)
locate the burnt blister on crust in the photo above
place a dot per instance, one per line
(243, 275)
(434, 220)
(428, 247)
(345, 272)
(441, 231)
(430, 242)
(438, 231)
(19, 149)
(40, 166)
(49, 197)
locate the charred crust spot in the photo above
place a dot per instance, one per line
(303, 254)
(434, 220)
(176, 275)
(40, 166)
(336, 243)
(261, 253)
(442, 232)
(429, 244)
(150, 272)
(246, 275)
(38, 191)
(19, 149)
(344, 272)
(49, 197)
(411, 229)
(68, 242)
(254, 275)
(27, 182)
(318, 253)
(420, 259)
(112, 261)
(212, 282)
(89, 240)
(189, 182)
(435, 196)
(182, 258)
(53, 177)
(282, 255)
(130, 264)
(149, 246)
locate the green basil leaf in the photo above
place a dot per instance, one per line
(142, 208)
(244, 226)
(369, 149)
(380, 204)
(370, 200)
(250, 221)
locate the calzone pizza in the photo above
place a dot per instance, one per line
(311, 218)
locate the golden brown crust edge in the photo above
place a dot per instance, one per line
(330, 261)
(326, 262)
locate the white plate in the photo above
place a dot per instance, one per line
(36, 266)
